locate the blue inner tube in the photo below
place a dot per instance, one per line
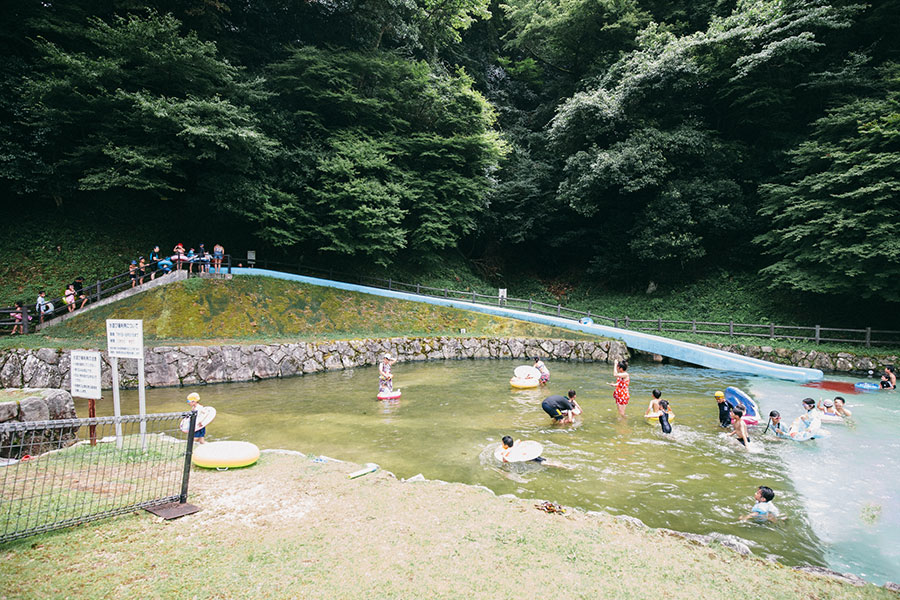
(735, 397)
(867, 385)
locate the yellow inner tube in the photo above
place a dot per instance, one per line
(225, 454)
(518, 382)
(655, 415)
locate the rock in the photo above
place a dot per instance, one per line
(633, 521)
(60, 404)
(823, 572)
(414, 478)
(657, 358)
(8, 411)
(34, 408)
(731, 542)
(892, 587)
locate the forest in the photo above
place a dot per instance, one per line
(627, 141)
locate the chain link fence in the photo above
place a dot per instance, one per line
(56, 474)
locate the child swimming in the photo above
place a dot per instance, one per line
(740, 427)
(763, 509)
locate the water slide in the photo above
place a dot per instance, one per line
(676, 349)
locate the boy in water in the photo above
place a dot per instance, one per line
(508, 443)
(653, 407)
(561, 410)
(724, 410)
(839, 407)
(763, 509)
(740, 427)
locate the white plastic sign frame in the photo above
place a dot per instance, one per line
(84, 374)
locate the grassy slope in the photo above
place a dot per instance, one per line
(292, 528)
(260, 309)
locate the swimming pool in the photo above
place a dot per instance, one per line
(841, 494)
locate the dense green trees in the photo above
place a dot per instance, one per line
(631, 139)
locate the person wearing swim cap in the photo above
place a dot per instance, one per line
(827, 408)
(724, 410)
(200, 433)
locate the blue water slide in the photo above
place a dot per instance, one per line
(683, 351)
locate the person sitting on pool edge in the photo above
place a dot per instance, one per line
(740, 427)
(763, 509)
(199, 434)
(724, 410)
(561, 410)
(508, 443)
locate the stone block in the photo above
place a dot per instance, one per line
(34, 408)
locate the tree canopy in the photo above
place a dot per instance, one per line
(631, 140)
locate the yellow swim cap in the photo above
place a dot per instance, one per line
(193, 397)
(720, 394)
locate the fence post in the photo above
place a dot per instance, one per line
(693, 326)
(731, 328)
(390, 283)
(529, 305)
(626, 322)
(588, 314)
(559, 310)
(98, 292)
(24, 315)
(418, 288)
(771, 330)
(445, 292)
(616, 322)
(659, 324)
(186, 474)
(818, 328)
(868, 336)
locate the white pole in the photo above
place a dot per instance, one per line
(117, 409)
(142, 403)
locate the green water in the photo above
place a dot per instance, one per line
(840, 493)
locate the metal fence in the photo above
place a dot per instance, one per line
(56, 474)
(811, 333)
(29, 317)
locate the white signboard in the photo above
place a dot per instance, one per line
(125, 338)
(84, 373)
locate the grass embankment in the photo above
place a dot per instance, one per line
(261, 310)
(292, 528)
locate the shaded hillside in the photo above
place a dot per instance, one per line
(260, 308)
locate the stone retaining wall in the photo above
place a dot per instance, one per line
(195, 365)
(35, 405)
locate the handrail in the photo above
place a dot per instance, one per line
(94, 292)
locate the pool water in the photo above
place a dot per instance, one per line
(841, 494)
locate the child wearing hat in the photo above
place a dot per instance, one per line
(385, 376)
(200, 428)
(827, 407)
(724, 410)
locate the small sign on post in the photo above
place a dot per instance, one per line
(84, 374)
(501, 296)
(251, 257)
(125, 339)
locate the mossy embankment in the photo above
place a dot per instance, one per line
(289, 527)
(261, 309)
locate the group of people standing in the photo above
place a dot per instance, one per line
(180, 258)
(73, 297)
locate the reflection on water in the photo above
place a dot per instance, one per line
(840, 493)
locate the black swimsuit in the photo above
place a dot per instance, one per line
(664, 422)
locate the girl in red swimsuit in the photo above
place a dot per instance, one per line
(620, 393)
